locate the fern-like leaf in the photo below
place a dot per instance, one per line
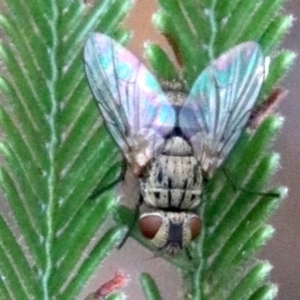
(54, 149)
(234, 209)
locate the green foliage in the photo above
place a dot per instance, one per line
(112, 296)
(149, 287)
(54, 150)
(234, 218)
(200, 30)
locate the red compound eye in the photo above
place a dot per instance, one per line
(195, 226)
(149, 225)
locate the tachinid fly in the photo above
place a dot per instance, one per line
(171, 147)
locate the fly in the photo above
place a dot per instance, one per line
(170, 148)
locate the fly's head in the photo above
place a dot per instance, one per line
(170, 231)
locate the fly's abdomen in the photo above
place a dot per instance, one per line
(173, 181)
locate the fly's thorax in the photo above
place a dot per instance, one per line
(170, 231)
(173, 180)
(175, 91)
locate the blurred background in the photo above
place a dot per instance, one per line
(283, 251)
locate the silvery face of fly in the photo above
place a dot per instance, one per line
(171, 147)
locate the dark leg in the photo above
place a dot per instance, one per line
(132, 222)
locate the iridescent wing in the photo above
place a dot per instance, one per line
(135, 109)
(220, 103)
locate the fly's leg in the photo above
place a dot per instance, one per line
(238, 188)
(99, 189)
(132, 222)
(257, 116)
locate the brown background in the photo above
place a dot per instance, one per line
(283, 251)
